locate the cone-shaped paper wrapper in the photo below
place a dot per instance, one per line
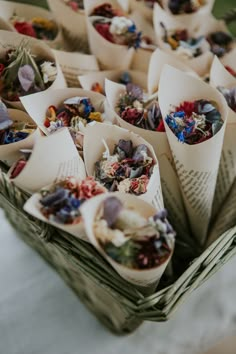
(89, 5)
(210, 24)
(229, 59)
(137, 77)
(220, 77)
(140, 7)
(191, 19)
(94, 148)
(52, 160)
(201, 64)
(33, 207)
(27, 12)
(89, 210)
(40, 50)
(111, 56)
(37, 104)
(158, 59)
(10, 152)
(196, 165)
(225, 218)
(74, 64)
(74, 22)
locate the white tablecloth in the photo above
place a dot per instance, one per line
(40, 315)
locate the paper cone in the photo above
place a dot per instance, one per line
(74, 64)
(37, 104)
(10, 152)
(196, 165)
(112, 134)
(112, 56)
(140, 7)
(201, 64)
(33, 207)
(229, 59)
(158, 59)
(226, 217)
(27, 12)
(89, 5)
(52, 160)
(73, 22)
(141, 60)
(206, 9)
(89, 210)
(137, 77)
(40, 50)
(219, 76)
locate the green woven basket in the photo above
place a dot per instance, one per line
(117, 304)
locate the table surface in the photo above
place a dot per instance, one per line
(39, 314)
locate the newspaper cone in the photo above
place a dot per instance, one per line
(73, 22)
(88, 80)
(27, 12)
(196, 165)
(141, 278)
(75, 64)
(33, 207)
(158, 59)
(94, 138)
(10, 152)
(40, 50)
(225, 218)
(220, 77)
(53, 159)
(36, 105)
(201, 64)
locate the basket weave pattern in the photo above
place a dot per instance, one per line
(118, 305)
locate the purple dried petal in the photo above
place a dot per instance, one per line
(112, 208)
(126, 146)
(140, 152)
(5, 120)
(53, 199)
(26, 77)
(135, 91)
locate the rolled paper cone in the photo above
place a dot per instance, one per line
(94, 137)
(36, 105)
(89, 5)
(73, 22)
(206, 9)
(88, 80)
(33, 207)
(40, 50)
(141, 60)
(229, 59)
(197, 165)
(210, 24)
(201, 64)
(220, 77)
(140, 7)
(74, 64)
(141, 278)
(158, 59)
(53, 158)
(225, 219)
(158, 140)
(112, 56)
(27, 12)
(10, 152)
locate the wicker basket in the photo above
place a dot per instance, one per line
(117, 304)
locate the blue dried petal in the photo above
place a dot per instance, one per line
(180, 114)
(5, 120)
(125, 78)
(53, 199)
(216, 126)
(136, 172)
(180, 136)
(132, 28)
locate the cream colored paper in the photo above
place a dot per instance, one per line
(226, 218)
(74, 22)
(196, 165)
(229, 59)
(37, 105)
(201, 64)
(158, 59)
(89, 210)
(74, 64)
(219, 76)
(89, 5)
(27, 12)
(140, 7)
(40, 50)
(94, 148)
(10, 152)
(52, 160)
(33, 206)
(137, 77)
(109, 55)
